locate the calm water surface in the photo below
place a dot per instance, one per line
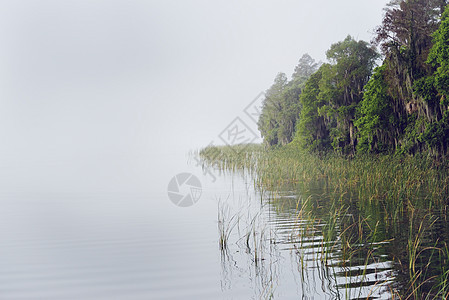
(126, 240)
(107, 230)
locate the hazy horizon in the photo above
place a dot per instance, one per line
(89, 84)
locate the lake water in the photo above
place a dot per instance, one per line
(108, 230)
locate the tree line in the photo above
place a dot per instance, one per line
(354, 104)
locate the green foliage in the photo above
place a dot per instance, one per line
(305, 68)
(401, 108)
(434, 90)
(436, 135)
(270, 117)
(439, 55)
(375, 115)
(412, 139)
(340, 90)
(425, 89)
(282, 107)
(342, 86)
(311, 132)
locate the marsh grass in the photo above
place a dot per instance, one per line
(442, 289)
(226, 224)
(396, 183)
(369, 200)
(244, 233)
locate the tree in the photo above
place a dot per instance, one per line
(305, 68)
(269, 120)
(439, 58)
(290, 109)
(341, 88)
(411, 82)
(435, 89)
(406, 38)
(311, 132)
(407, 28)
(376, 122)
(281, 106)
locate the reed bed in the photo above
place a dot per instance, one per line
(370, 198)
(397, 183)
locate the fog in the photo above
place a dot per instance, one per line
(99, 95)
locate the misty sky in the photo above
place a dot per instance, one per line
(90, 80)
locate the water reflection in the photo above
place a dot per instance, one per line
(307, 241)
(250, 250)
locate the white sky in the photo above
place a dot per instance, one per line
(107, 78)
